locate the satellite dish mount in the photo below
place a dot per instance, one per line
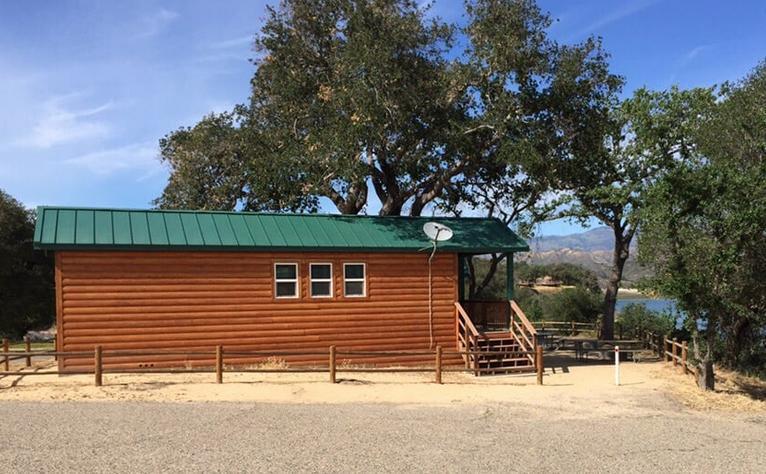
(436, 233)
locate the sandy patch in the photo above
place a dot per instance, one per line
(562, 386)
(570, 390)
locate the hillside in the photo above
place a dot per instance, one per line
(591, 249)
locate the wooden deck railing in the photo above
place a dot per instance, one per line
(467, 337)
(220, 355)
(523, 330)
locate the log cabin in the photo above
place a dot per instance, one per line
(193, 280)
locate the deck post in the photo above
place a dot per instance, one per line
(509, 276)
(438, 364)
(684, 355)
(461, 277)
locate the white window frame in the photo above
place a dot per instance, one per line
(321, 280)
(296, 281)
(363, 280)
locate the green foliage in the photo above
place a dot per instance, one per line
(705, 228)
(26, 278)
(635, 320)
(572, 304)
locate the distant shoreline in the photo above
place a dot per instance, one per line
(634, 294)
(623, 293)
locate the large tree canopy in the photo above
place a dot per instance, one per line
(26, 278)
(704, 232)
(643, 137)
(355, 97)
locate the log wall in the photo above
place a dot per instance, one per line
(197, 300)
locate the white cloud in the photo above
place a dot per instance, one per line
(627, 9)
(135, 157)
(695, 52)
(233, 42)
(153, 24)
(58, 123)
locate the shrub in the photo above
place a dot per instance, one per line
(635, 320)
(572, 304)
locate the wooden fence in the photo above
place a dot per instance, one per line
(670, 350)
(220, 355)
(567, 328)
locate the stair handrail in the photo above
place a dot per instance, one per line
(523, 318)
(527, 334)
(467, 320)
(471, 337)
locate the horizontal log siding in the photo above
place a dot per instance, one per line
(197, 300)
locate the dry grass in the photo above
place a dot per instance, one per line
(272, 363)
(733, 391)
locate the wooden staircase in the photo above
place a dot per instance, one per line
(497, 352)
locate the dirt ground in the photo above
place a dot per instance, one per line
(566, 384)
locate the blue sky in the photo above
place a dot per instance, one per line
(87, 88)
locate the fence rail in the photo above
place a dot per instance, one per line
(671, 350)
(219, 354)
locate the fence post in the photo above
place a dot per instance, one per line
(97, 370)
(56, 346)
(28, 348)
(332, 364)
(5, 351)
(219, 364)
(658, 345)
(573, 328)
(665, 351)
(438, 364)
(684, 355)
(539, 363)
(617, 365)
(675, 352)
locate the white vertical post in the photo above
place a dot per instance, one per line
(617, 365)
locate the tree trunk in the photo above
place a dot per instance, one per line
(705, 373)
(619, 257)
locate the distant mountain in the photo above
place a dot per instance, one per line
(591, 249)
(599, 238)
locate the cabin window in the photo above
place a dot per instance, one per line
(286, 280)
(354, 275)
(321, 280)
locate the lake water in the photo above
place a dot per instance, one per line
(659, 305)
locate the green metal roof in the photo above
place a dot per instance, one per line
(60, 228)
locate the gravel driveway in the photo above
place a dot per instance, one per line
(238, 437)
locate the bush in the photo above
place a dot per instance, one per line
(529, 302)
(635, 320)
(572, 304)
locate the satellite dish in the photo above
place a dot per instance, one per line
(437, 232)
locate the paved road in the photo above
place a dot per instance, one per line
(231, 437)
